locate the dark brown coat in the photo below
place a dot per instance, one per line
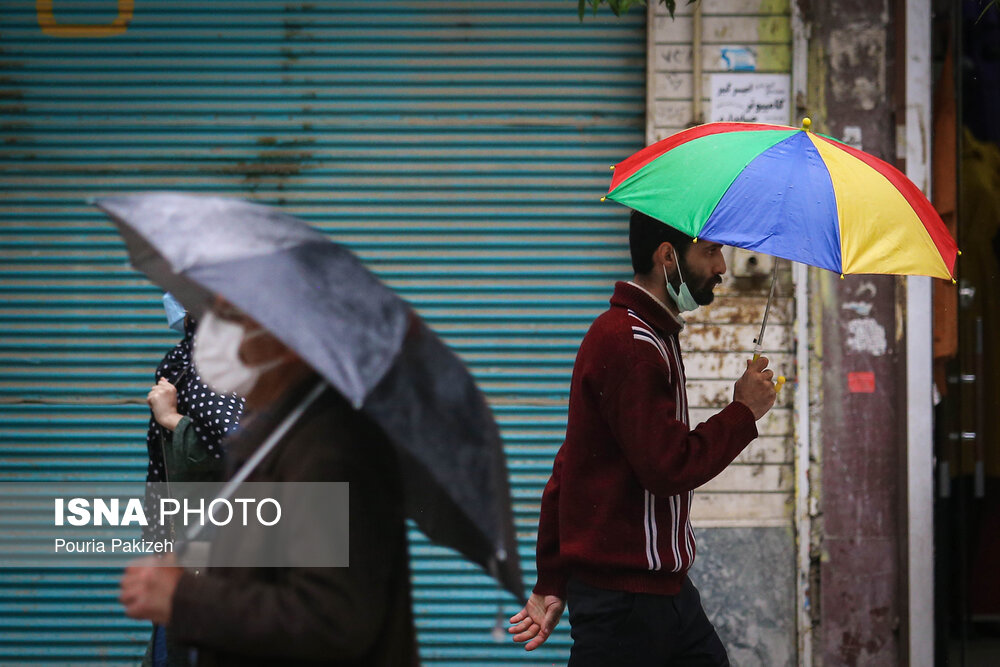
(352, 616)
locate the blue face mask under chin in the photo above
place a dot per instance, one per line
(683, 298)
(175, 312)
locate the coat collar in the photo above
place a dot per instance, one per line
(648, 307)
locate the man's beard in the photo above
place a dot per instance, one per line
(703, 295)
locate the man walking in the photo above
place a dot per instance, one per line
(285, 616)
(614, 536)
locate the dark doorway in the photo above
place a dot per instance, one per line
(967, 335)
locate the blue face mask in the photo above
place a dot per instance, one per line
(175, 312)
(682, 298)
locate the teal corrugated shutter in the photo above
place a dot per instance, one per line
(459, 147)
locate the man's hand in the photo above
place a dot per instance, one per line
(537, 620)
(147, 589)
(756, 389)
(162, 399)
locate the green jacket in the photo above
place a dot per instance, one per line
(186, 460)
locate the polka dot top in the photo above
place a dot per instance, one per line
(213, 416)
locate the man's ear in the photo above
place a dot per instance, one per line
(665, 255)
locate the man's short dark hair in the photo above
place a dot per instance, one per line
(646, 234)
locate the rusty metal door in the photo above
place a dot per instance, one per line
(460, 148)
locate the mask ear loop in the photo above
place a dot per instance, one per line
(267, 365)
(680, 274)
(259, 331)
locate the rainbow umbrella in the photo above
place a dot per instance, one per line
(790, 193)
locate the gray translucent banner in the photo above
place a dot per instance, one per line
(263, 524)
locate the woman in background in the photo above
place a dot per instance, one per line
(185, 442)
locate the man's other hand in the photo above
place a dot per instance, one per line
(537, 620)
(147, 589)
(756, 388)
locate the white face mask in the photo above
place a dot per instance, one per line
(683, 298)
(217, 356)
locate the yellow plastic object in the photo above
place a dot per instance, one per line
(780, 382)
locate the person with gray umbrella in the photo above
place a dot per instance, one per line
(319, 300)
(306, 311)
(356, 615)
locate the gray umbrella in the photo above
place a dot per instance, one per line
(318, 299)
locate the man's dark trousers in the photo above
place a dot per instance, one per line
(611, 628)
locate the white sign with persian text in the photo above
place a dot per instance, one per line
(751, 98)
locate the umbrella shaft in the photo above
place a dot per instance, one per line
(230, 488)
(759, 342)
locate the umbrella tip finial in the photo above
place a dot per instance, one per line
(959, 252)
(694, 240)
(612, 167)
(954, 282)
(841, 276)
(807, 123)
(604, 198)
